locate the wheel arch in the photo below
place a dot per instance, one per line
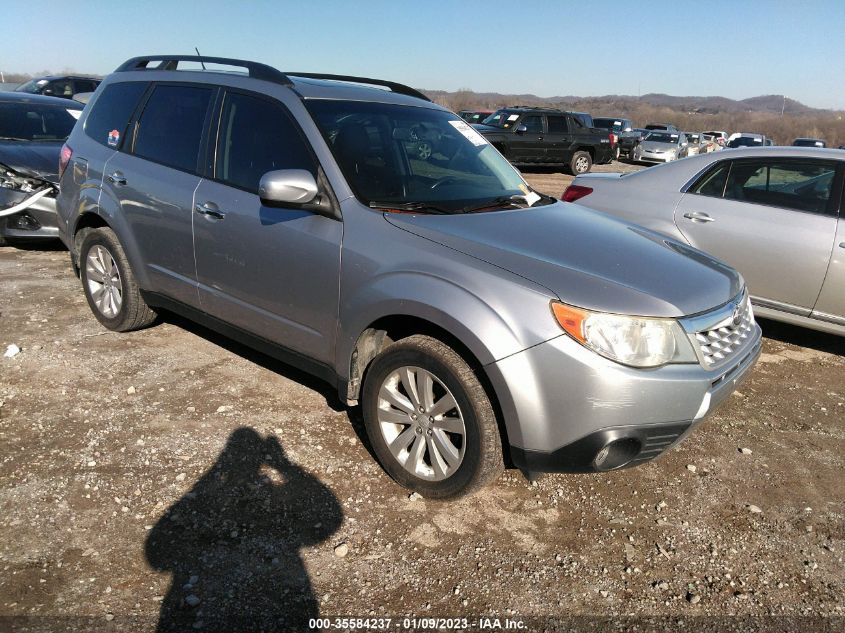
(387, 329)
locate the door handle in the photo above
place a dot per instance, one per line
(697, 216)
(210, 209)
(841, 244)
(117, 178)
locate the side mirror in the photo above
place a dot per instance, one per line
(292, 186)
(47, 91)
(522, 129)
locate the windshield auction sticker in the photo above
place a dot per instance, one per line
(474, 137)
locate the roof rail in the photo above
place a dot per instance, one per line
(171, 62)
(258, 71)
(392, 85)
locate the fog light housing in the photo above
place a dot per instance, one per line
(23, 222)
(617, 453)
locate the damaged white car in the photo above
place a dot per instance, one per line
(33, 129)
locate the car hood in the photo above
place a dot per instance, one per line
(38, 159)
(587, 259)
(652, 146)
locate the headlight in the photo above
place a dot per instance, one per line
(629, 340)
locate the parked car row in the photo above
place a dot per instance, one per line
(475, 320)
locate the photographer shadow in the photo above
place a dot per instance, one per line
(232, 542)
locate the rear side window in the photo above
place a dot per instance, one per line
(800, 185)
(557, 125)
(713, 182)
(110, 115)
(170, 127)
(257, 136)
(84, 85)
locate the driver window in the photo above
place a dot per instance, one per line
(534, 124)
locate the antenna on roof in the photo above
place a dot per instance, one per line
(200, 56)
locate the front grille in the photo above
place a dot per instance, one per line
(721, 342)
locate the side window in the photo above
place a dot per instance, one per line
(534, 123)
(576, 123)
(257, 136)
(557, 125)
(170, 127)
(107, 121)
(83, 85)
(801, 185)
(59, 88)
(712, 183)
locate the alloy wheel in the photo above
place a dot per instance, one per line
(421, 423)
(103, 279)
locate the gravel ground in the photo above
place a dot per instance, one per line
(171, 477)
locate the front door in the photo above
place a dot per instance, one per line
(771, 220)
(529, 146)
(270, 270)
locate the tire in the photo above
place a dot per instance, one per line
(119, 305)
(580, 163)
(450, 463)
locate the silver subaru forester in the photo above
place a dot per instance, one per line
(477, 322)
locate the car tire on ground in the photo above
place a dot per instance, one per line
(110, 287)
(580, 163)
(429, 419)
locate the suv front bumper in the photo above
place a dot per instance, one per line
(563, 404)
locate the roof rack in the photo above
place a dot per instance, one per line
(171, 62)
(259, 71)
(392, 85)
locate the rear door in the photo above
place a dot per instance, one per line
(831, 303)
(270, 270)
(558, 139)
(770, 219)
(155, 185)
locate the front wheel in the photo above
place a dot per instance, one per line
(580, 163)
(429, 419)
(110, 287)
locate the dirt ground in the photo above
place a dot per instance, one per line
(172, 478)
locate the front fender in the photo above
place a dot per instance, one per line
(492, 325)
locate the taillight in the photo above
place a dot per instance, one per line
(64, 159)
(613, 139)
(575, 192)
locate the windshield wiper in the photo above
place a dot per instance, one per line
(410, 206)
(11, 138)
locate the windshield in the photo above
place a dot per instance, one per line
(614, 125)
(36, 122)
(662, 137)
(32, 86)
(502, 118)
(413, 158)
(745, 141)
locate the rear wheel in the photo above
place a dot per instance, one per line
(110, 287)
(580, 163)
(429, 419)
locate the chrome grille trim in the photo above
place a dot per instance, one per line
(719, 336)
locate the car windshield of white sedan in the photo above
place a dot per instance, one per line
(418, 159)
(662, 137)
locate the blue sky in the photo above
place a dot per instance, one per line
(732, 48)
